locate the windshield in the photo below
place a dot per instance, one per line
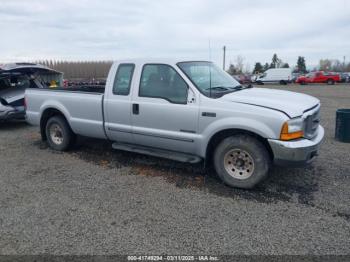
(209, 78)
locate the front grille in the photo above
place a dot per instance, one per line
(311, 124)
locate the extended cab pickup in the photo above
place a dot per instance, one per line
(186, 111)
(319, 77)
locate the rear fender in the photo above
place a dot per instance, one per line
(52, 104)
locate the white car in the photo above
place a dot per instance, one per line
(282, 76)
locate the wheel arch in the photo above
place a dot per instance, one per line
(45, 116)
(222, 134)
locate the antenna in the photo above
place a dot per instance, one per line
(224, 58)
(209, 49)
(209, 79)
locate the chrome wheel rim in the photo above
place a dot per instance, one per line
(239, 164)
(56, 134)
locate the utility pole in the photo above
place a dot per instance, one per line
(224, 58)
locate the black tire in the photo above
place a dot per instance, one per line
(259, 83)
(330, 82)
(302, 83)
(282, 82)
(63, 132)
(242, 144)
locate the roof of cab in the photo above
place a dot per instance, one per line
(141, 61)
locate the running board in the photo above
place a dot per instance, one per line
(181, 157)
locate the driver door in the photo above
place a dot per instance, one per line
(165, 110)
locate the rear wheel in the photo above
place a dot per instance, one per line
(241, 161)
(330, 82)
(59, 134)
(282, 82)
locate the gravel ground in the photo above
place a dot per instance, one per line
(93, 200)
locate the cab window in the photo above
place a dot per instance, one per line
(162, 81)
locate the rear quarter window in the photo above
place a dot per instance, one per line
(122, 80)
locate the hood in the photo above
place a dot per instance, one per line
(12, 94)
(291, 103)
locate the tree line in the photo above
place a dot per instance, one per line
(276, 62)
(300, 67)
(334, 65)
(87, 70)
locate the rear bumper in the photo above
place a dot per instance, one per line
(12, 113)
(296, 153)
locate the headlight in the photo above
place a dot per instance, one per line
(292, 129)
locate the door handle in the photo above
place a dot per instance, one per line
(135, 109)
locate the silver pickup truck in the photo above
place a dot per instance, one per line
(187, 111)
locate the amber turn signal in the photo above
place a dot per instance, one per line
(285, 135)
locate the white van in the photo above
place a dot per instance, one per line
(282, 76)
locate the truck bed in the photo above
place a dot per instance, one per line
(84, 88)
(81, 106)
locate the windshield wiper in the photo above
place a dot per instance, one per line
(218, 88)
(240, 87)
(224, 90)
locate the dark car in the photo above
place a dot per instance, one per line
(344, 77)
(14, 79)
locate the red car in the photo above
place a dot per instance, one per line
(319, 77)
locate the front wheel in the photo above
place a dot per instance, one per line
(241, 161)
(59, 134)
(330, 82)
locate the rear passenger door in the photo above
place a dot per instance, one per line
(117, 104)
(164, 110)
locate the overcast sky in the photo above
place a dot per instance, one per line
(117, 29)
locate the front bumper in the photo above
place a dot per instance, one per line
(296, 153)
